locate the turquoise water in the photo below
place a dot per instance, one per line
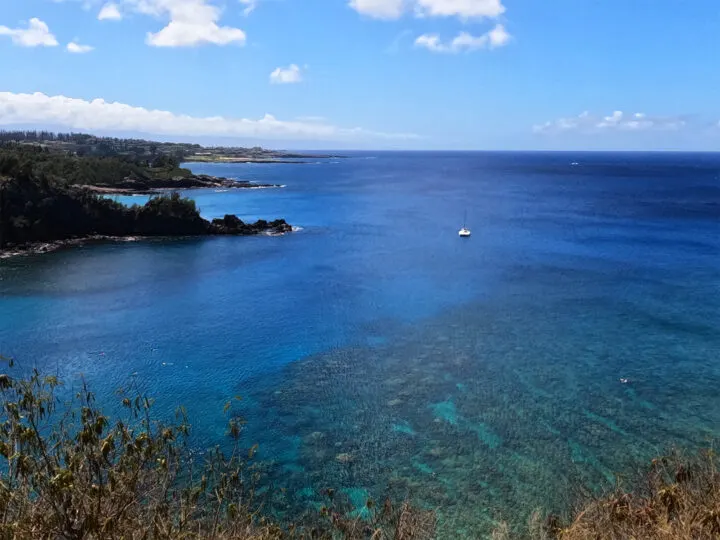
(379, 354)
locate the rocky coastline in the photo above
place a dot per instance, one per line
(229, 225)
(267, 157)
(131, 186)
(240, 160)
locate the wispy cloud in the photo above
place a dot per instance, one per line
(497, 37)
(394, 47)
(464, 9)
(617, 121)
(86, 4)
(379, 9)
(250, 6)
(100, 115)
(37, 34)
(289, 75)
(76, 48)
(190, 23)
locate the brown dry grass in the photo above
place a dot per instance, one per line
(677, 498)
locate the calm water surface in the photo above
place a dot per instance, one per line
(380, 354)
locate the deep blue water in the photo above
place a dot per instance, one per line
(378, 353)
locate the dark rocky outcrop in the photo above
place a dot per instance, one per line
(38, 211)
(231, 224)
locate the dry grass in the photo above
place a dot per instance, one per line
(387, 523)
(678, 498)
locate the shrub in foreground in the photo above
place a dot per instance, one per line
(67, 471)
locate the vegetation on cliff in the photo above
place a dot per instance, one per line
(42, 200)
(85, 145)
(106, 173)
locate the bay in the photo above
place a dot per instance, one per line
(380, 354)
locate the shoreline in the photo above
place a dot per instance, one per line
(101, 190)
(185, 184)
(240, 161)
(289, 159)
(41, 248)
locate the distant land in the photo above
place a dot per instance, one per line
(83, 144)
(139, 166)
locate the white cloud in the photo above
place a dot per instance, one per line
(110, 12)
(465, 41)
(189, 23)
(379, 9)
(76, 48)
(464, 9)
(100, 115)
(190, 34)
(497, 37)
(37, 34)
(617, 121)
(192, 22)
(288, 75)
(86, 4)
(432, 42)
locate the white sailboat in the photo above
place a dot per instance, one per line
(464, 232)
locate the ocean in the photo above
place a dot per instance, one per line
(572, 338)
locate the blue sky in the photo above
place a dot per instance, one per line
(436, 74)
